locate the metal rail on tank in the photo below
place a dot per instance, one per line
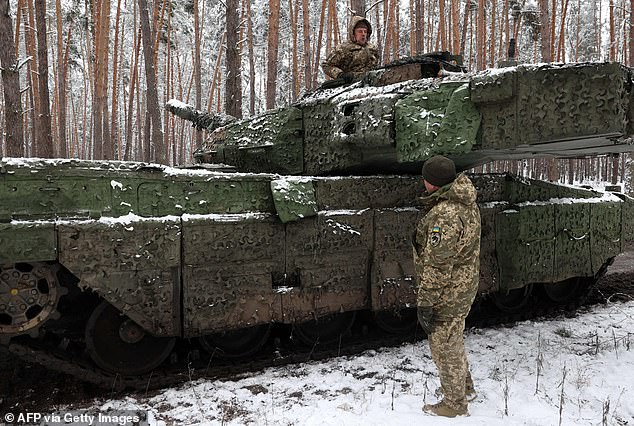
(126, 270)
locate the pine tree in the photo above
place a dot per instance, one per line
(14, 139)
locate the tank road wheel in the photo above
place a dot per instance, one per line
(513, 301)
(236, 343)
(325, 330)
(119, 345)
(29, 293)
(397, 322)
(568, 290)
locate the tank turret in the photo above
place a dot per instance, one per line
(393, 120)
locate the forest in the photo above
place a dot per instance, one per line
(90, 79)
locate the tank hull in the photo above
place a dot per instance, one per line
(188, 253)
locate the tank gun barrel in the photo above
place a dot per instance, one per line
(200, 120)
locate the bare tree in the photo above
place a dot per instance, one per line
(100, 46)
(306, 44)
(419, 13)
(45, 136)
(273, 44)
(545, 30)
(132, 89)
(153, 113)
(62, 59)
(233, 82)
(465, 26)
(114, 128)
(251, 58)
(357, 7)
(197, 72)
(613, 46)
(631, 33)
(14, 139)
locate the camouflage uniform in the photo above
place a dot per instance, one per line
(447, 258)
(350, 56)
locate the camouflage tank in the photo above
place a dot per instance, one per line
(305, 216)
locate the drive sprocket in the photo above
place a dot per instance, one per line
(29, 293)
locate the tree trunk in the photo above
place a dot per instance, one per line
(307, 54)
(104, 57)
(233, 82)
(418, 17)
(465, 24)
(252, 60)
(197, 72)
(481, 32)
(154, 116)
(294, 17)
(632, 33)
(612, 39)
(45, 137)
(319, 37)
(273, 42)
(545, 30)
(103, 148)
(553, 19)
(561, 45)
(455, 28)
(14, 138)
(357, 7)
(115, 141)
(62, 59)
(441, 25)
(493, 34)
(131, 91)
(631, 58)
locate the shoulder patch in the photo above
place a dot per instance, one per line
(435, 236)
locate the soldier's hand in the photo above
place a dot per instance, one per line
(425, 318)
(348, 77)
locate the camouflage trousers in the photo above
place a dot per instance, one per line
(447, 350)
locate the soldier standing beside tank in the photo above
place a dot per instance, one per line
(447, 259)
(353, 58)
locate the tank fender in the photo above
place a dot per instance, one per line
(27, 242)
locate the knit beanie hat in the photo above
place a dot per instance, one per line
(439, 170)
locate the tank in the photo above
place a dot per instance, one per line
(304, 216)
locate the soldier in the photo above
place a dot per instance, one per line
(447, 259)
(355, 57)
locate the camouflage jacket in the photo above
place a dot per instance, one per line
(447, 250)
(350, 56)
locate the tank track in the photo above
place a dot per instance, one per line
(189, 365)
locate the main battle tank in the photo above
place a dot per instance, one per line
(304, 216)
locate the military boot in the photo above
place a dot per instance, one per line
(445, 410)
(469, 394)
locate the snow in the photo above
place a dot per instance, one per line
(587, 360)
(175, 103)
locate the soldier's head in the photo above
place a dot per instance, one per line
(438, 171)
(360, 30)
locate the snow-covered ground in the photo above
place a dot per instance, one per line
(569, 371)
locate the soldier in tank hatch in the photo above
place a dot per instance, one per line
(447, 259)
(353, 58)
